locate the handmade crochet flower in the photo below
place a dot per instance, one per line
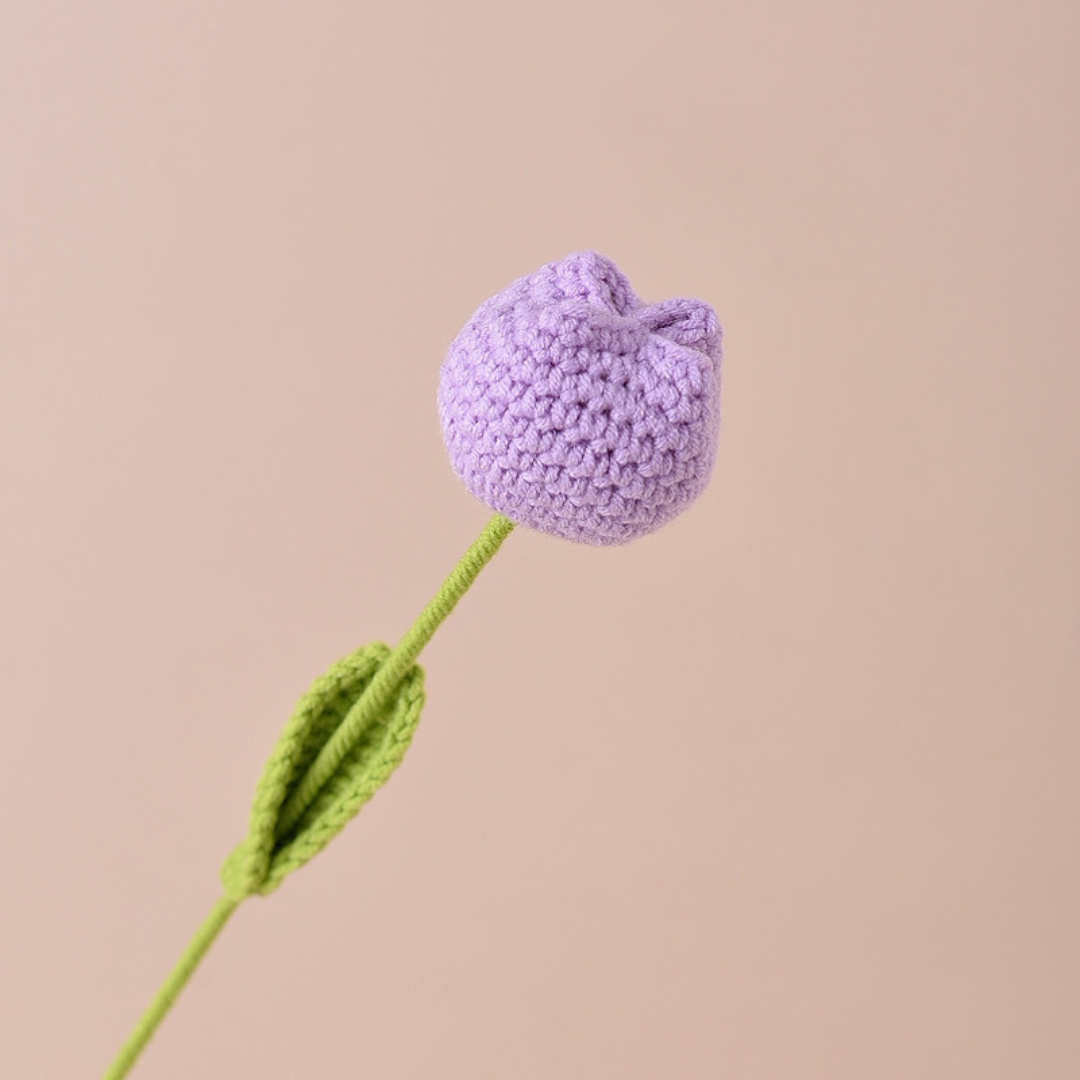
(573, 407)
(567, 405)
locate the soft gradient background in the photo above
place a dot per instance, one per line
(787, 790)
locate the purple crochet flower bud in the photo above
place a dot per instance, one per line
(570, 406)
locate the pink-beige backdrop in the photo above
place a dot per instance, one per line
(786, 790)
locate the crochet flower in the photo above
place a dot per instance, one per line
(568, 405)
(573, 407)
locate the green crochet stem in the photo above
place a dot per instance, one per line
(171, 987)
(347, 735)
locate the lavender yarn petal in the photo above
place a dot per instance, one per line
(572, 407)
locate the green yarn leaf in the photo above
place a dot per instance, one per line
(274, 848)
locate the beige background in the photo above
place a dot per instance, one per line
(786, 790)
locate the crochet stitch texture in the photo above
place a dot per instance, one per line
(571, 406)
